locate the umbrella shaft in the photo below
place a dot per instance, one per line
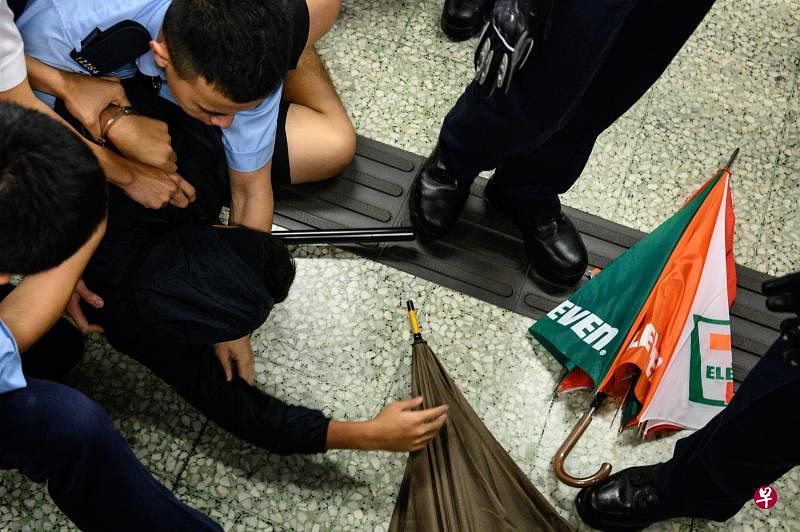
(338, 236)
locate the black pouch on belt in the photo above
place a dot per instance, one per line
(103, 52)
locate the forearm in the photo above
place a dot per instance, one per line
(244, 410)
(35, 305)
(47, 79)
(23, 95)
(116, 169)
(252, 202)
(350, 435)
(113, 165)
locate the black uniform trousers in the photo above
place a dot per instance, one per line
(192, 370)
(598, 59)
(750, 444)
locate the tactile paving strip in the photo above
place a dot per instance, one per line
(483, 256)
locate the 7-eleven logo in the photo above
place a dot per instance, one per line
(710, 371)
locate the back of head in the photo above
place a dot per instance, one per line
(52, 191)
(279, 269)
(241, 47)
(266, 254)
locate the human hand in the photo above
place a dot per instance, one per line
(505, 44)
(75, 313)
(154, 188)
(400, 427)
(240, 353)
(86, 97)
(142, 139)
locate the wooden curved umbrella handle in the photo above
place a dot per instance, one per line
(566, 448)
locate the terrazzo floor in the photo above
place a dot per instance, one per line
(340, 341)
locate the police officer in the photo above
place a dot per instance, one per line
(549, 80)
(716, 470)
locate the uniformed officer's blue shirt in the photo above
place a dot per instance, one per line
(10, 364)
(51, 29)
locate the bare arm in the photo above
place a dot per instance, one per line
(84, 96)
(35, 305)
(148, 174)
(398, 427)
(152, 187)
(252, 203)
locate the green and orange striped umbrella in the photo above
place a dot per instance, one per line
(653, 328)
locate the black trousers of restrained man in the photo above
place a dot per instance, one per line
(190, 367)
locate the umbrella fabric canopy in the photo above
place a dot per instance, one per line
(653, 329)
(463, 480)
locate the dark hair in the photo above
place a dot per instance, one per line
(279, 268)
(240, 47)
(271, 261)
(52, 191)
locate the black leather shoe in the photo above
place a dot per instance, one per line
(553, 246)
(624, 501)
(437, 197)
(461, 19)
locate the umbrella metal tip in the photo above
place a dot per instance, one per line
(410, 305)
(734, 155)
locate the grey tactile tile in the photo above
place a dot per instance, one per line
(412, 98)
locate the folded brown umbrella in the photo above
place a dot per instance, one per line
(463, 480)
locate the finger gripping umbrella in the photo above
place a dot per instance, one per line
(653, 328)
(463, 480)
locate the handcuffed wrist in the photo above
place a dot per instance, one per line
(119, 113)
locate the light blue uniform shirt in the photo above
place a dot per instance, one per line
(11, 377)
(52, 28)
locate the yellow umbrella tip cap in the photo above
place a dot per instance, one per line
(412, 318)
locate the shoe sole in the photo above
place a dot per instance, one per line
(566, 281)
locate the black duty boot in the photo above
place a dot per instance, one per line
(461, 19)
(624, 501)
(437, 197)
(553, 245)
